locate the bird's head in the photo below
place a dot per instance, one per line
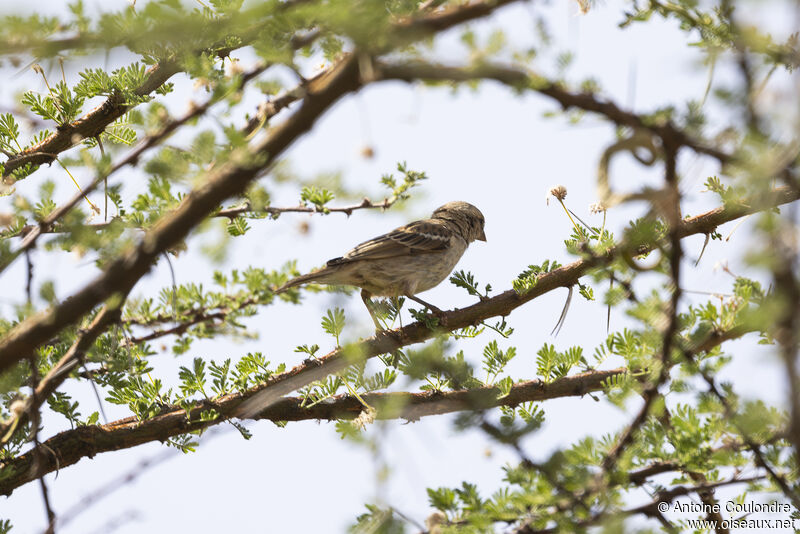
(465, 217)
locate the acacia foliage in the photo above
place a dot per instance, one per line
(688, 425)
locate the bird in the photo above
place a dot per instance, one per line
(408, 260)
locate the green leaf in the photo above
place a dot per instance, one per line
(586, 291)
(318, 197)
(443, 499)
(333, 323)
(193, 380)
(237, 226)
(59, 402)
(505, 386)
(465, 280)
(528, 278)
(311, 351)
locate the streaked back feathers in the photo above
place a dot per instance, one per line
(447, 233)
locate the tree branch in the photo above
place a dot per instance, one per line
(755, 448)
(109, 315)
(386, 203)
(48, 223)
(520, 78)
(499, 305)
(70, 446)
(97, 120)
(366, 203)
(226, 181)
(651, 393)
(90, 125)
(649, 509)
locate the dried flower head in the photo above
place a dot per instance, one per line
(597, 207)
(584, 6)
(366, 417)
(558, 191)
(434, 521)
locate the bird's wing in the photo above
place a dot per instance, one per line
(418, 237)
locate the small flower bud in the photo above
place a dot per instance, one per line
(367, 152)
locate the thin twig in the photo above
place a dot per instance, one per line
(148, 142)
(275, 211)
(228, 180)
(649, 509)
(38, 455)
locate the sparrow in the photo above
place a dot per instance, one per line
(406, 261)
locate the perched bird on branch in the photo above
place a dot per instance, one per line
(406, 261)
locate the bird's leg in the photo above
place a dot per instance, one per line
(436, 311)
(396, 301)
(365, 296)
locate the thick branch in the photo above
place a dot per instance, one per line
(227, 181)
(500, 305)
(90, 125)
(419, 26)
(224, 182)
(49, 222)
(69, 447)
(97, 120)
(62, 369)
(522, 78)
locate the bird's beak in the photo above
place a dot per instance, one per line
(482, 237)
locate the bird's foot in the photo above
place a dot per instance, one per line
(432, 318)
(440, 315)
(436, 312)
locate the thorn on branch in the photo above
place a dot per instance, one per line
(705, 244)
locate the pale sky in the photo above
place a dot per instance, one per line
(487, 147)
